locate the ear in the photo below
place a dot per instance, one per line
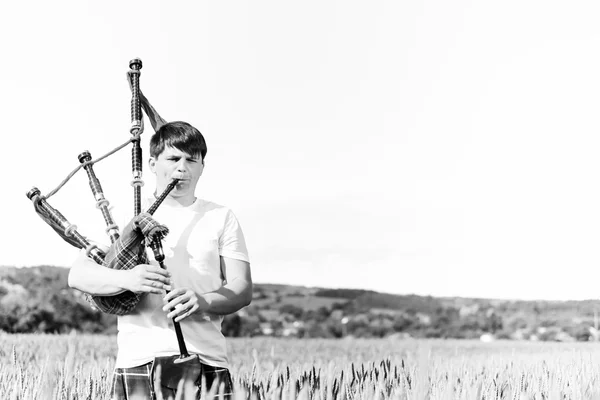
(152, 164)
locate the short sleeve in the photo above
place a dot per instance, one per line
(231, 242)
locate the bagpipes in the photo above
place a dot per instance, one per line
(127, 248)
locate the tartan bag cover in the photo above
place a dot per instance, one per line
(124, 254)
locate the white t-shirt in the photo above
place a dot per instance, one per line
(198, 235)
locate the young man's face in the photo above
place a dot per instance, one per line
(174, 163)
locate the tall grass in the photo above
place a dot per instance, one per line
(80, 367)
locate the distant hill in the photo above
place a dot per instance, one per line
(38, 299)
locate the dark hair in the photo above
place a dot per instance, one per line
(179, 135)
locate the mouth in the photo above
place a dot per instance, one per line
(181, 182)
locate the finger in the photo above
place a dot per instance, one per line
(180, 310)
(159, 278)
(157, 270)
(173, 294)
(157, 284)
(171, 304)
(151, 289)
(187, 313)
(176, 311)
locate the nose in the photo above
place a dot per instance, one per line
(181, 166)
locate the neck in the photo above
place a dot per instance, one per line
(183, 201)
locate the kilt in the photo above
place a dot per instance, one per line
(138, 383)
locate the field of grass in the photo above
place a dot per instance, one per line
(80, 367)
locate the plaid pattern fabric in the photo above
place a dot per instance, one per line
(54, 222)
(138, 383)
(127, 252)
(133, 383)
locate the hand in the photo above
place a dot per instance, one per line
(181, 303)
(145, 278)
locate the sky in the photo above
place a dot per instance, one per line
(429, 147)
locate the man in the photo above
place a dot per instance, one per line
(208, 273)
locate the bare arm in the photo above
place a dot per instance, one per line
(231, 297)
(89, 277)
(236, 293)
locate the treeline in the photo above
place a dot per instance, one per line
(294, 311)
(38, 299)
